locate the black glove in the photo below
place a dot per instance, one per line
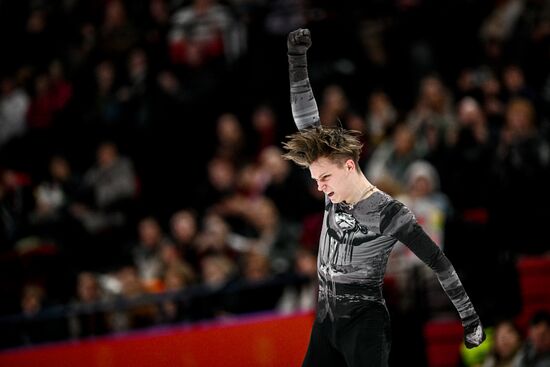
(473, 334)
(298, 41)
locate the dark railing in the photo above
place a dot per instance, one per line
(198, 302)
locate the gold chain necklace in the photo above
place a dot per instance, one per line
(367, 190)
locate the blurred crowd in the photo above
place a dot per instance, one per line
(140, 152)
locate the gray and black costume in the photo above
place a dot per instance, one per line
(352, 323)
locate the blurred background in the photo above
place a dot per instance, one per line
(142, 188)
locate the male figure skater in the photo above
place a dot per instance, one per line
(360, 227)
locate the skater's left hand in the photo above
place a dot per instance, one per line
(473, 334)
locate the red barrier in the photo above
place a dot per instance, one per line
(443, 339)
(263, 341)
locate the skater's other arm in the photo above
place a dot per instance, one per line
(399, 222)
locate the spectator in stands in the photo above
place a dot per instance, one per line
(107, 189)
(177, 276)
(515, 85)
(423, 185)
(232, 141)
(103, 208)
(432, 210)
(265, 127)
(335, 105)
(302, 295)
(498, 27)
(432, 119)
(53, 196)
(38, 37)
(471, 153)
(255, 266)
(336, 110)
(218, 272)
(50, 95)
(177, 272)
(523, 158)
(31, 303)
(15, 204)
(213, 238)
(355, 121)
(388, 163)
(42, 108)
(203, 32)
(61, 89)
(157, 26)
(14, 103)
(146, 254)
(259, 293)
(287, 185)
(37, 328)
(117, 34)
(183, 234)
(380, 118)
(171, 97)
(220, 181)
(136, 314)
(492, 99)
(282, 16)
(537, 347)
(468, 83)
(89, 319)
(136, 93)
(105, 108)
(8, 225)
(256, 223)
(507, 346)
(277, 237)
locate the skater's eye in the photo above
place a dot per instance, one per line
(322, 178)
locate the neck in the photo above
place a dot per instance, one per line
(363, 190)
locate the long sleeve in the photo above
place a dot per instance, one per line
(302, 101)
(399, 222)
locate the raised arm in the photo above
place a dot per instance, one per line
(302, 101)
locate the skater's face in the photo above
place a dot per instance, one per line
(333, 178)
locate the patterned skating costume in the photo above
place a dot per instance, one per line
(354, 247)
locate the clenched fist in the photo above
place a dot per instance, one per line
(298, 41)
(473, 335)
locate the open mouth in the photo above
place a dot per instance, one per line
(330, 194)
